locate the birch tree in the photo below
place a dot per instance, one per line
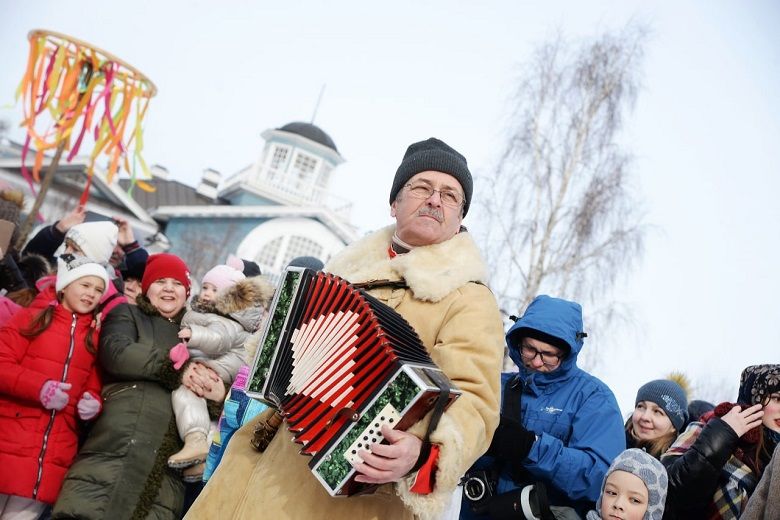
(557, 214)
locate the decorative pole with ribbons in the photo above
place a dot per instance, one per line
(71, 89)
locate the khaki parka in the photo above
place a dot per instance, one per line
(457, 318)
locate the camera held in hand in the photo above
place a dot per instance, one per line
(528, 502)
(478, 487)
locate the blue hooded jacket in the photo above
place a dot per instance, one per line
(575, 416)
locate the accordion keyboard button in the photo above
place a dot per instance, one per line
(373, 434)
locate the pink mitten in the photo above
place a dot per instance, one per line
(88, 406)
(179, 354)
(54, 395)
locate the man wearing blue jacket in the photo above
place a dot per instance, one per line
(560, 426)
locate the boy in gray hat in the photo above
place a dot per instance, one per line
(634, 488)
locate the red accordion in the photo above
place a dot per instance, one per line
(338, 364)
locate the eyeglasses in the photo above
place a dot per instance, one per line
(549, 359)
(448, 197)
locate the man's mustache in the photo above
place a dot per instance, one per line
(430, 212)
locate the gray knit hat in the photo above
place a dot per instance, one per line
(653, 474)
(436, 155)
(669, 396)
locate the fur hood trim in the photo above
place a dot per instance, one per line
(448, 472)
(250, 292)
(427, 276)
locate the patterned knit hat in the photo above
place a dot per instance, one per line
(96, 240)
(669, 396)
(70, 268)
(758, 382)
(165, 265)
(435, 155)
(653, 474)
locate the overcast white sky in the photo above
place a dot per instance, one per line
(705, 131)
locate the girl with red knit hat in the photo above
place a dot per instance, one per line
(49, 382)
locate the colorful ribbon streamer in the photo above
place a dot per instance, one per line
(71, 89)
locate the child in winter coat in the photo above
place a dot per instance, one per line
(715, 465)
(633, 489)
(48, 362)
(240, 408)
(228, 309)
(660, 411)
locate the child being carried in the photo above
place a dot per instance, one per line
(229, 308)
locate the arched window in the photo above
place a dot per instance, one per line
(274, 243)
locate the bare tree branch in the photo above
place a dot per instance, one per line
(557, 214)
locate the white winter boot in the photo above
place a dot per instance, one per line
(194, 451)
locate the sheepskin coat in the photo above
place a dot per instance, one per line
(457, 318)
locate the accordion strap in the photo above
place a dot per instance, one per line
(376, 284)
(265, 431)
(438, 410)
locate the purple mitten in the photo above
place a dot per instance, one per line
(54, 395)
(179, 354)
(88, 406)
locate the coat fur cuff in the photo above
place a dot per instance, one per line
(450, 468)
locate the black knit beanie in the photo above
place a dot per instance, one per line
(436, 155)
(307, 262)
(251, 268)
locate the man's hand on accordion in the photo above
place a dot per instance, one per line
(389, 462)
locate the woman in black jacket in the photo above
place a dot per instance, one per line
(715, 464)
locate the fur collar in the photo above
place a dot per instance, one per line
(431, 272)
(243, 295)
(250, 292)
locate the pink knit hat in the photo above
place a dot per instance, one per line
(223, 276)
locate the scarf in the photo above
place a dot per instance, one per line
(737, 479)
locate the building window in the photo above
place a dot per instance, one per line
(266, 259)
(279, 158)
(304, 167)
(277, 254)
(301, 246)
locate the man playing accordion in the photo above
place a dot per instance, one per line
(428, 268)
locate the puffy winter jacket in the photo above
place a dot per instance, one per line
(37, 446)
(219, 330)
(121, 471)
(575, 416)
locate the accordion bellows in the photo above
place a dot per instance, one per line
(338, 364)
